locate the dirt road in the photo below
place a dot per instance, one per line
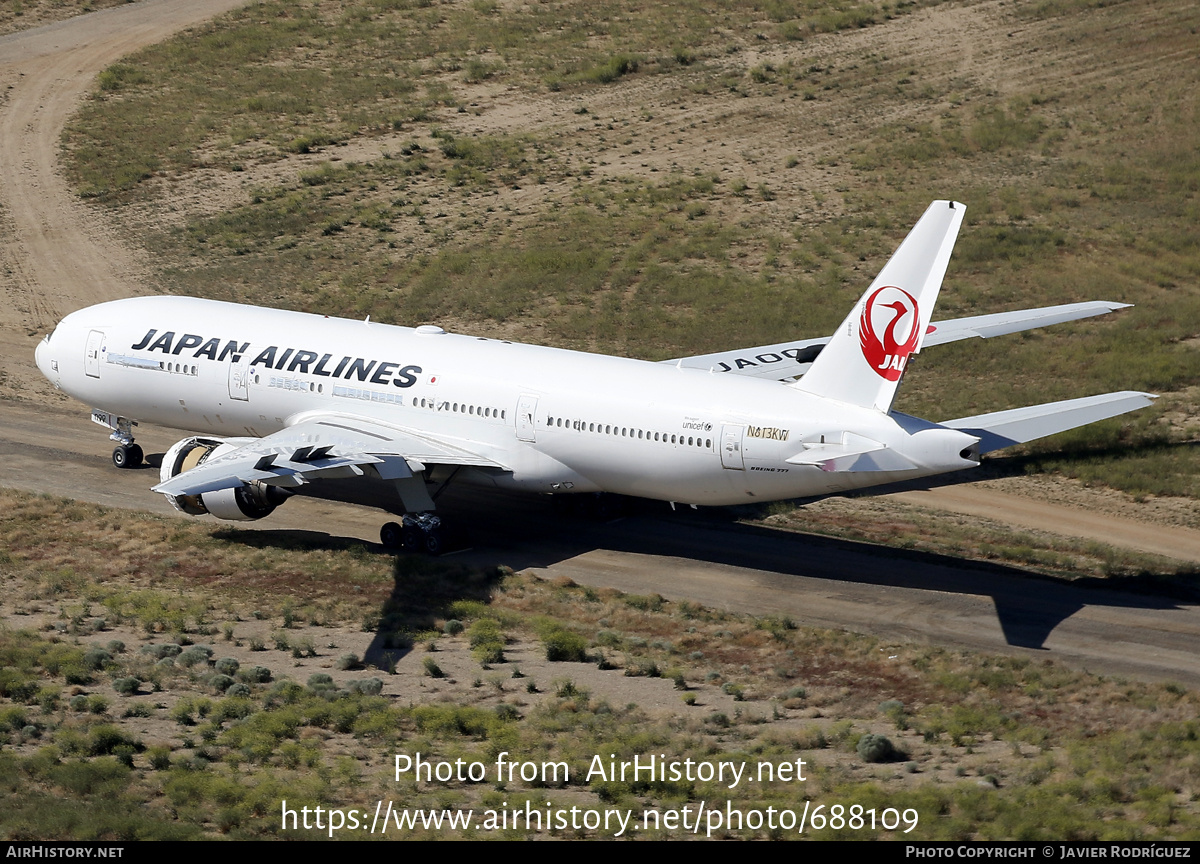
(58, 255)
(704, 557)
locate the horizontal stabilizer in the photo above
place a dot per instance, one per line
(1018, 425)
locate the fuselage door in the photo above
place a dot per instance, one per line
(239, 379)
(731, 447)
(526, 412)
(91, 353)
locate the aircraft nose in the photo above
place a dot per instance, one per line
(41, 356)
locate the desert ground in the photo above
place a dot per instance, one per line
(60, 252)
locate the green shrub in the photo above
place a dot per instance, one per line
(645, 602)
(182, 712)
(137, 709)
(320, 681)
(227, 666)
(160, 758)
(106, 738)
(642, 668)
(13, 718)
(366, 686)
(91, 777)
(255, 675)
(487, 641)
(565, 646)
(192, 657)
(875, 748)
(127, 686)
(96, 659)
(167, 649)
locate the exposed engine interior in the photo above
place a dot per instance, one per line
(241, 503)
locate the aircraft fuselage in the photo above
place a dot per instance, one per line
(558, 421)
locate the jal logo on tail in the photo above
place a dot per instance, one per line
(888, 330)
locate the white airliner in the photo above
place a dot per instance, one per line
(277, 400)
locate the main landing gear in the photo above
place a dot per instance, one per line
(420, 532)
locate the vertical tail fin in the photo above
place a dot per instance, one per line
(864, 360)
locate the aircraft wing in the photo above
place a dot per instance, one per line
(325, 447)
(785, 361)
(1003, 323)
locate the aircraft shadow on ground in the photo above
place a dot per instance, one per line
(423, 588)
(524, 531)
(1002, 467)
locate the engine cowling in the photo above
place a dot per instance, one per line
(241, 503)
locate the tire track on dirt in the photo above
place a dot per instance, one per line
(58, 256)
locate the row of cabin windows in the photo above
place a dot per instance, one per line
(626, 432)
(457, 408)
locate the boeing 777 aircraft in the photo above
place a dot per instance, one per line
(274, 401)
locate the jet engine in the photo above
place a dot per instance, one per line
(241, 503)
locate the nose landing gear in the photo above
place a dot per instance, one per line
(127, 456)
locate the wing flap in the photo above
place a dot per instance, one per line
(323, 447)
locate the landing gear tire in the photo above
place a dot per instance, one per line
(391, 535)
(127, 456)
(412, 538)
(435, 542)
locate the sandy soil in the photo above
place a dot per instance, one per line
(58, 255)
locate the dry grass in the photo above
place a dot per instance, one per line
(738, 181)
(1063, 753)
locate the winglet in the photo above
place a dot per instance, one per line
(864, 360)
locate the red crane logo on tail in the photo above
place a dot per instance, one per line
(893, 312)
